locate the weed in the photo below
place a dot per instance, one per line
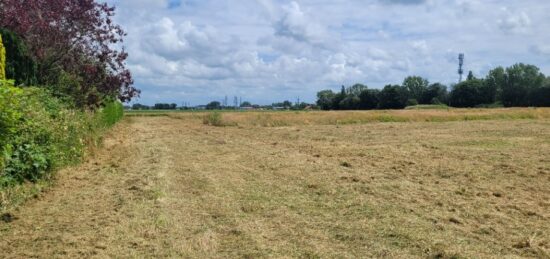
(213, 119)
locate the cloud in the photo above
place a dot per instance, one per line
(514, 22)
(294, 24)
(541, 49)
(420, 46)
(406, 2)
(271, 50)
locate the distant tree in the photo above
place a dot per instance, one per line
(138, 106)
(412, 102)
(416, 86)
(165, 106)
(287, 104)
(214, 105)
(246, 104)
(493, 83)
(350, 102)
(434, 94)
(355, 89)
(540, 97)
(466, 94)
(393, 97)
(470, 76)
(368, 99)
(338, 99)
(325, 99)
(520, 80)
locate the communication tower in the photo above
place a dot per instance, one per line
(460, 66)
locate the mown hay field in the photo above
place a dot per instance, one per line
(395, 184)
(296, 118)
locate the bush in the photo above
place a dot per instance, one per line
(111, 113)
(18, 62)
(213, 119)
(39, 133)
(412, 102)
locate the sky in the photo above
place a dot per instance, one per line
(266, 51)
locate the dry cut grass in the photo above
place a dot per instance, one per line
(172, 186)
(298, 118)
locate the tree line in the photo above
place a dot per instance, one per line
(520, 85)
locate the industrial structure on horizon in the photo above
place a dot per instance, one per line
(460, 66)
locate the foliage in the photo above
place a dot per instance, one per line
(338, 99)
(139, 106)
(39, 133)
(213, 119)
(246, 104)
(416, 86)
(74, 37)
(111, 113)
(215, 105)
(2, 60)
(350, 102)
(20, 66)
(540, 97)
(494, 81)
(369, 99)
(516, 86)
(9, 117)
(412, 102)
(165, 106)
(434, 94)
(470, 76)
(520, 80)
(285, 104)
(324, 99)
(393, 97)
(467, 94)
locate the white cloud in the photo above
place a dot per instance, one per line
(421, 46)
(270, 50)
(542, 49)
(515, 22)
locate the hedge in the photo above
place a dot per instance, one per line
(39, 133)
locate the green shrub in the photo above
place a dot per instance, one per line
(19, 65)
(412, 102)
(111, 113)
(39, 133)
(213, 119)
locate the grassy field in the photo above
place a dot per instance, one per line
(396, 184)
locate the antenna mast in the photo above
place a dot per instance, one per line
(460, 66)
